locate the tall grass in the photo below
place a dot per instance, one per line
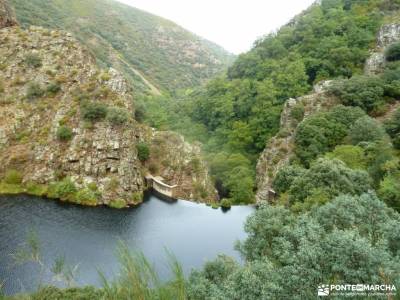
(139, 280)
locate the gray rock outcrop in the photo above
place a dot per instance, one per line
(7, 15)
(387, 35)
(279, 149)
(47, 79)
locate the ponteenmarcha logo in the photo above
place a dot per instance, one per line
(356, 289)
(323, 290)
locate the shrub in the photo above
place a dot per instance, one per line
(226, 203)
(117, 203)
(53, 293)
(285, 177)
(330, 176)
(200, 191)
(13, 177)
(35, 189)
(297, 112)
(105, 76)
(352, 156)
(1, 86)
(117, 116)
(86, 196)
(63, 190)
(362, 91)
(93, 186)
(93, 111)
(33, 60)
(392, 127)
(53, 88)
(393, 52)
(389, 191)
(34, 91)
(137, 197)
(64, 133)
(321, 132)
(366, 129)
(317, 135)
(143, 151)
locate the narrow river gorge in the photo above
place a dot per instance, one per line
(88, 237)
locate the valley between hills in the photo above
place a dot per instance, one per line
(101, 102)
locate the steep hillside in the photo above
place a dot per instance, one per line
(67, 129)
(153, 53)
(324, 149)
(237, 114)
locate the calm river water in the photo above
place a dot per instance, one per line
(88, 237)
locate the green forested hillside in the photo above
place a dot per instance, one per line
(335, 219)
(138, 43)
(236, 114)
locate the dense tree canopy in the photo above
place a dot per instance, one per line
(288, 256)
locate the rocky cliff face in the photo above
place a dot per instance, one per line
(387, 35)
(7, 16)
(280, 148)
(56, 129)
(181, 165)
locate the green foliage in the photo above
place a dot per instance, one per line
(64, 133)
(331, 176)
(297, 112)
(226, 203)
(353, 156)
(54, 293)
(117, 203)
(321, 132)
(365, 92)
(392, 127)
(389, 190)
(34, 91)
(93, 111)
(117, 116)
(35, 189)
(234, 177)
(63, 190)
(33, 60)
(241, 186)
(366, 129)
(378, 155)
(392, 53)
(332, 39)
(53, 88)
(137, 197)
(282, 249)
(137, 279)
(238, 113)
(285, 178)
(13, 177)
(86, 196)
(143, 151)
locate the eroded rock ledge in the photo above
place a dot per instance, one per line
(50, 146)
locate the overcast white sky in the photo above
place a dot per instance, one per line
(233, 24)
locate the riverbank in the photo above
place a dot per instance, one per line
(65, 191)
